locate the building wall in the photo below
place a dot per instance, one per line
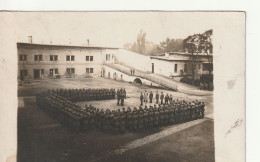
(135, 60)
(79, 64)
(167, 68)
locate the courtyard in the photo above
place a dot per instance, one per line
(41, 138)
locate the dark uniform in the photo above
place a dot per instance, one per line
(162, 97)
(141, 99)
(118, 96)
(157, 97)
(151, 97)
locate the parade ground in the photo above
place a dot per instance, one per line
(42, 138)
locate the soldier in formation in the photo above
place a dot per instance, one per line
(130, 119)
(76, 95)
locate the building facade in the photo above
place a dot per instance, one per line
(47, 60)
(40, 60)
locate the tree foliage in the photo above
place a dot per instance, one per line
(145, 47)
(199, 43)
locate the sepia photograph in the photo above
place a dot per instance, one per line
(117, 86)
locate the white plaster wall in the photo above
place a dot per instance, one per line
(135, 60)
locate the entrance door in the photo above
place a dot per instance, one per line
(36, 73)
(152, 67)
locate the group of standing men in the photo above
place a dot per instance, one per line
(121, 96)
(159, 98)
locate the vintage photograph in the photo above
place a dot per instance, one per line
(115, 86)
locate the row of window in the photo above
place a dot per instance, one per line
(53, 58)
(56, 71)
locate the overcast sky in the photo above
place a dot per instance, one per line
(109, 28)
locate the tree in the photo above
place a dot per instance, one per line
(149, 48)
(141, 41)
(199, 43)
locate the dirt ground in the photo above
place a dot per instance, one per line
(41, 138)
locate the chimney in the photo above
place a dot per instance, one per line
(87, 42)
(30, 39)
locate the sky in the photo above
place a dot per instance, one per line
(111, 29)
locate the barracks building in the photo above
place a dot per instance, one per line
(36, 61)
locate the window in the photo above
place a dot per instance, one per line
(67, 58)
(25, 58)
(53, 57)
(185, 68)
(54, 71)
(175, 68)
(91, 58)
(22, 57)
(68, 70)
(42, 71)
(107, 57)
(40, 57)
(72, 71)
(72, 58)
(87, 58)
(51, 71)
(23, 73)
(91, 70)
(37, 57)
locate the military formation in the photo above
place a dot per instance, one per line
(120, 120)
(76, 95)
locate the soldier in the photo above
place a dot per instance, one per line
(151, 97)
(145, 117)
(166, 99)
(170, 98)
(157, 97)
(122, 98)
(141, 99)
(150, 117)
(162, 97)
(202, 109)
(129, 119)
(135, 119)
(118, 97)
(145, 97)
(156, 116)
(140, 113)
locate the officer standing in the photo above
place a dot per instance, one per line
(157, 97)
(141, 99)
(166, 99)
(162, 97)
(122, 98)
(145, 97)
(151, 97)
(118, 97)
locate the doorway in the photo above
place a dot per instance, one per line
(152, 67)
(36, 73)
